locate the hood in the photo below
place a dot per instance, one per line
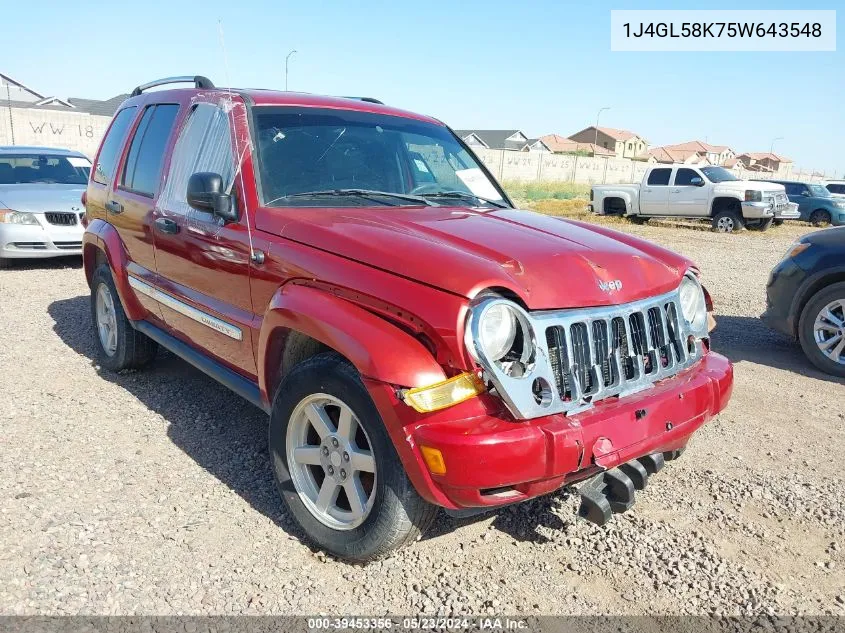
(549, 262)
(37, 198)
(749, 185)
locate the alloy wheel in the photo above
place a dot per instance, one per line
(106, 320)
(829, 331)
(725, 224)
(331, 462)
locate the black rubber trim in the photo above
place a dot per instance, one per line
(246, 389)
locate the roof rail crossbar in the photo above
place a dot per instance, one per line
(367, 99)
(199, 81)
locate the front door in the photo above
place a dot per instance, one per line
(686, 199)
(203, 263)
(654, 194)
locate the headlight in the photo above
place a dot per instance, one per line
(693, 306)
(497, 330)
(8, 216)
(499, 333)
(839, 205)
(753, 196)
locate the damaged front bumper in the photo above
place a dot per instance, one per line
(492, 460)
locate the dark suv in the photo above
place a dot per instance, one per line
(805, 298)
(815, 203)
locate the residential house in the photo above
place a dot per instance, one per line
(764, 162)
(494, 139)
(562, 145)
(670, 155)
(623, 143)
(716, 154)
(28, 117)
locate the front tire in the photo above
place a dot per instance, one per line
(820, 217)
(727, 221)
(119, 345)
(336, 467)
(821, 329)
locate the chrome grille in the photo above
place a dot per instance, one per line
(61, 218)
(585, 355)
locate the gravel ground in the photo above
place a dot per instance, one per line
(151, 492)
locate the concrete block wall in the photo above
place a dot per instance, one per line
(52, 128)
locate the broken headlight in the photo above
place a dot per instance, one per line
(693, 304)
(499, 332)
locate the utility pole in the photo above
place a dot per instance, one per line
(287, 59)
(596, 140)
(772, 146)
(11, 120)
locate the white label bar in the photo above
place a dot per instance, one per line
(723, 30)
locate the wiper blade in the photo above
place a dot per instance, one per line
(464, 195)
(363, 193)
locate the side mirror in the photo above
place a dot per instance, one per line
(205, 193)
(695, 181)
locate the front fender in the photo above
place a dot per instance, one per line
(102, 236)
(378, 349)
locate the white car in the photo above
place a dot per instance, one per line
(40, 208)
(688, 191)
(835, 187)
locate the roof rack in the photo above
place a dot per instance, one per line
(199, 81)
(367, 99)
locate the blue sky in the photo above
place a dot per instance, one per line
(541, 66)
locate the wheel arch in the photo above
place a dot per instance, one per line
(725, 203)
(101, 244)
(811, 286)
(303, 321)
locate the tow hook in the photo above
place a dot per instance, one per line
(613, 491)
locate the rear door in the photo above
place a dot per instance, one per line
(685, 198)
(129, 205)
(203, 263)
(654, 193)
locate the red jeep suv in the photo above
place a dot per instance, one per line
(355, 271)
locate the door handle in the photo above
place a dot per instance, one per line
(166, 225)
(676, 191)
(114, 207)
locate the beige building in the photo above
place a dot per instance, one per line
(622, 143)
(561, 145)
(765, 162)
(715, 154)
(28, 117)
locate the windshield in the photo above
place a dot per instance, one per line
(314, 157)
(718, 174)
(818, 191)
(18, 169)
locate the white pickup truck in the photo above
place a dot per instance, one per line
(686, 191)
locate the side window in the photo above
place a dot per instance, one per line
(684, 176)
(204, 144)
(146, 154)
(659, 177)
(111, 146)
(836, 188)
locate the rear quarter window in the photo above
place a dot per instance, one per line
(109, 150)
(659, 177)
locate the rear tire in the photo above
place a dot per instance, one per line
(390, 513)
(813, 338)
(119, 345)
(820, 217)
(728, 221)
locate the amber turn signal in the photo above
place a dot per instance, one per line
(434, 460)
(444, 394)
